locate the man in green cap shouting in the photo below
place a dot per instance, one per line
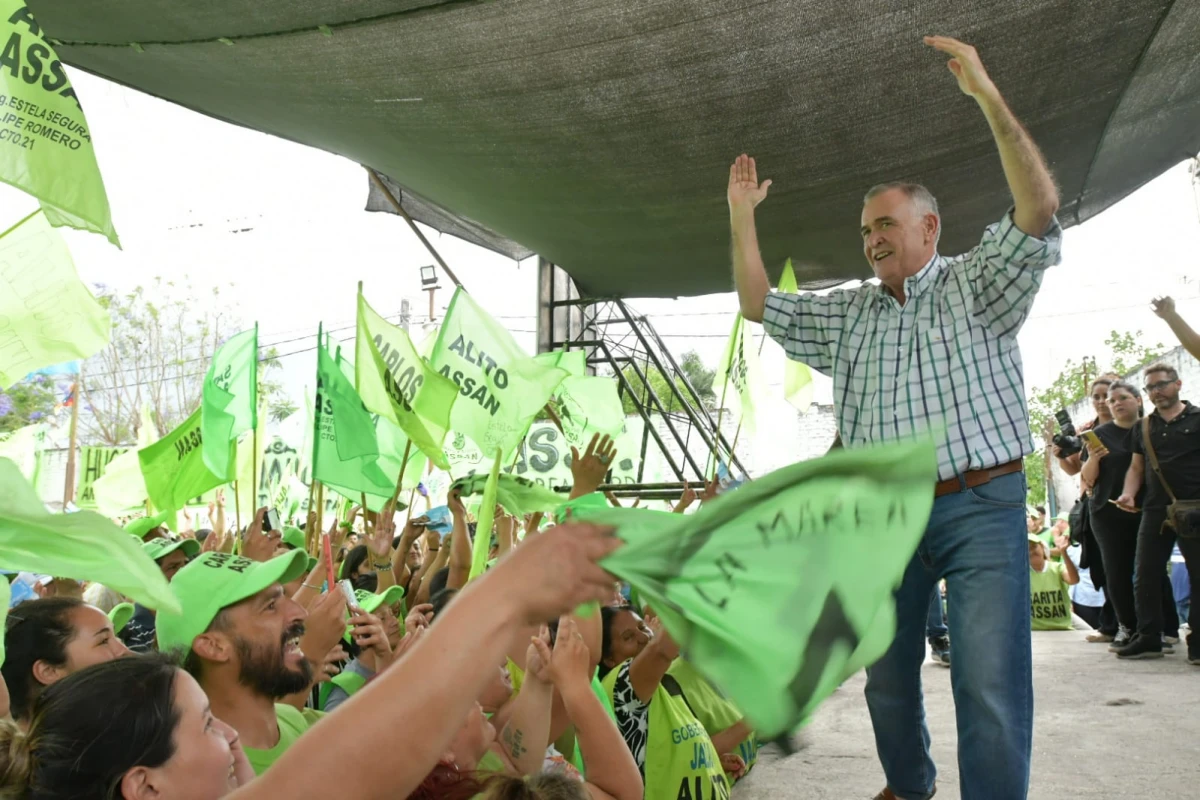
(171, 556)
(239, 637)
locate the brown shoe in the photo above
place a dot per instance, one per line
(888, 794)
(1099, 638)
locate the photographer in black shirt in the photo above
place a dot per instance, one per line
(1174, 435)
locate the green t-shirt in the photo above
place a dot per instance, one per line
(292, 723)
(1050, 598)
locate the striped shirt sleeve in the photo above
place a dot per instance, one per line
(1005, 272)
(807, 326)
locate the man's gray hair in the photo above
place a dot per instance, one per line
(923, 198)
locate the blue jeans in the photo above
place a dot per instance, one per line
(976, 540)
(935, 624)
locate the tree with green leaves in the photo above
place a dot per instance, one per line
(27, 402)
(700, 376)
(1127, 353)
(163, 338)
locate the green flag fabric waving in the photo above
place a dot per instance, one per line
(122, 486)
(501, 388)
(781, 590)
(229, 400)
(738, 377)
(47, 315)
(45, 144)
(518, 496)
(22, 447)
(345, 449)
(395, 382)
(483, 526)
(797, 377)
(174, 468)
(83, 545)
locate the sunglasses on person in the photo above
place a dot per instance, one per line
(1155, 387)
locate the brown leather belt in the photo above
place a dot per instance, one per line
(976, 477)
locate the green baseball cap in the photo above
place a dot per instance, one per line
(143, 525)
(161, 548)
(215, 581)
(369, 601)
(120, 615)
(293, 537)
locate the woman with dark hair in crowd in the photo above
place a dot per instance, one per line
(132, 728)
(1103, 478)
(46, 640)
(670, 745)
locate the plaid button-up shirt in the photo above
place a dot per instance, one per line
(946, 361)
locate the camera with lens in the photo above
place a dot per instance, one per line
(1067, 442)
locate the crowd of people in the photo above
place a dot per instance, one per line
(489, 688)
(540, 678)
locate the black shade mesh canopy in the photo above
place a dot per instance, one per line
(599, 133)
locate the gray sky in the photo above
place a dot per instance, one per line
(182, 186)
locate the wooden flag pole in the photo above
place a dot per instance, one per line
(69, 478)
(400, 477)
(237, 509)
(391, 198)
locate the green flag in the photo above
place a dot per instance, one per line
(502, 389)
(518, 496)
(395, 382)
(229, 400)
(483, 526)
(797, 377)
(738, 377)
(781, 590)
(5, 599)
(586, 404)
(47, 315)
(250, 460)
(174, 468)
(345, 450)
(83, 545)
(22, 447)
(45, 144)
(122, 486)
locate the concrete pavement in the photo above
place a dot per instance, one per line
(1102, 728)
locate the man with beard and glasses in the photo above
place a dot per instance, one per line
(1174, 440)
(239, 637)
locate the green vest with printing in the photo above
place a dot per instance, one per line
(1050, 599)
(681, 762)
(715, 712)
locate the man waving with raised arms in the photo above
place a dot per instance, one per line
(933, 350)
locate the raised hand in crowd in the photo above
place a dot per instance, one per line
(685, 500)
(260, 545)
(420, 616)
(369, 635)
(330, 668)
(414, 527)
(324, 627)
(588, 470)
(711, 489)
(1164, 307)
(379, 545)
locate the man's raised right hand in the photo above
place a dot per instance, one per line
(745, 192)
